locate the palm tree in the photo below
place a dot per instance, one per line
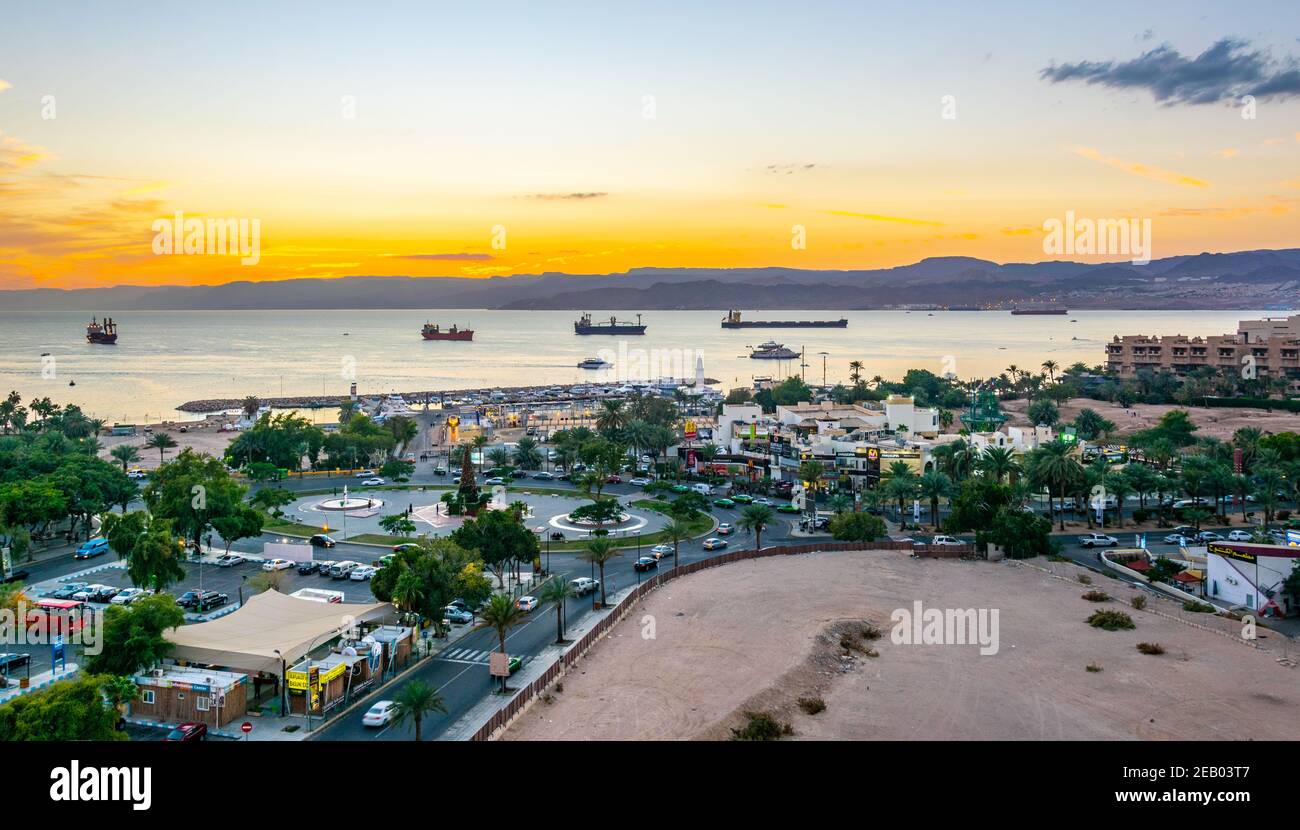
(598, 552)
(855, 371)
(415, 700)
(408, 590)
(126, 454)
(162, 442)
(1054, 467)
(677, 531)
(1050, 367)
(934, 485)
(558, 591)
(250, 405)
(945, 419)
(612, 417)
(1000, 463)
(755, 517)
(500, 614)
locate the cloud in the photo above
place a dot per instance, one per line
(5, 85)
(876, 217)
(556, 197)
(1229, 69)
(459, 257)
(1146, 171)
(787, 169)
(1226, 152)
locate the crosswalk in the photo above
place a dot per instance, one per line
(468, 656)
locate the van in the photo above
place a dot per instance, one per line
(703, 489)
(344, 569)
(94, 547)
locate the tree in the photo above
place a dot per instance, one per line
(1000, 463)
(1088, 425)
(134, 635)
(162, 442)
(415, 700)
(148, 546)
(499, 538)
(1043, 412)
(676, 531)
(611, 418)
(527, 455)
(245, 523)
(755, 517)
(120, 690)
(72, 710)
(192, 491)
(250, 405)
(424, 578)
(934, 485)
(856, 527)
(558, 591)
(1021, 534)
(271, 499)
(599, 552)
(901, 486)
(125, 454)
(398, 523)
(501, 614)
(1054, 467)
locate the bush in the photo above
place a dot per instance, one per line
(1111, 620)
(1198, 607)
(1138, 602)
(761, 726)
(870, 632)
(1141, 515)
(812, 705)
(1097, 596)
(1085, 579)
(1093, 667)
(1154, 649)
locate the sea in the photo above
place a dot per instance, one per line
(165, 358)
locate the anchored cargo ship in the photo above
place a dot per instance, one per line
(584, 326)
(733, 321)
(105, 333)
(1040, 311)
(434, 332)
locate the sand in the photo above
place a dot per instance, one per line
(1213, 422)
(202, 436)
(753, 636)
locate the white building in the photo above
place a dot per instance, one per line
(1241, 573)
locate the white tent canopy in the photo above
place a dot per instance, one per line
(268, 628)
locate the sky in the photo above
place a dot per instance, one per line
(476, 140)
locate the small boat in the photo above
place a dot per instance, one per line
(72, 383)
(594, 363)
(771, 350)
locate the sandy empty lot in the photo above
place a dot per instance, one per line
(1213, 422)
(751, 636)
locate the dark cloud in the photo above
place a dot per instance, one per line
(454, 257)
(1227, 70)
(553, 197)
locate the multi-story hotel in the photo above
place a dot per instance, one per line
(1269, 347)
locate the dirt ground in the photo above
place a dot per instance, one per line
(756, 636)
(1214, 422)
(202, 436)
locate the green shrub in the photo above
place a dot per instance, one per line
(1097, 596)
(761, 726)
(1198, 607)
(1141, 514)
(1154, 649)
(1093, 667)
(812, 705)
(1138, 602)
(1111, 620)
(1085, 579)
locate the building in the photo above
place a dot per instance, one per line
(1269, 347)
(1250, 575)
(176, 694)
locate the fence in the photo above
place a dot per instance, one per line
(528, 693)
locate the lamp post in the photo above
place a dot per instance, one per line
(284, 688)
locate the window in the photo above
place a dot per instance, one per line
(147, 696)
(201, 703)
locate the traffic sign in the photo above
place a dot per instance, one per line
(246, 727)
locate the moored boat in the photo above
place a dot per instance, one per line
(584, 325)
(433, 331)
(104, 333)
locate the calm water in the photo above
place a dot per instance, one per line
(164, 358)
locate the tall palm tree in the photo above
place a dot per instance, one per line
(934, 485)
(1050, 367)
(612, 417)
(126, 454)
(756, 517)
(558, 591)
(250, 405)
(678, 531)
(999, 463)
(500, 614)
(598, 552)
(855, 371)
(162, 442)
(415, 700)
(1055, 468)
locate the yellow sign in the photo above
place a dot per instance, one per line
(453, 429)
(297, 680)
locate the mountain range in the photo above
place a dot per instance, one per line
(1242, 279)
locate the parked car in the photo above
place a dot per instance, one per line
(639, 481)
(494, 480)
(714, 543)
(440, 471)
(324, 565)
(68, 590)
(544, 476)
(126, 596)
(763, 500)
(788, 507)
(93, 547)
(645, 563)
(526, 603)
(1093, 540)
(188, 732)
(373, 482)
(105, 593)
(322, 540)
(365, 473)
(277, 564)
(1209, 536)
(1180, 540)
(1239, 536)
(726, 529)
(660, 551)
(462, 604)
(308, 567)
(229, 560)
(363, 573)
(519, 474)
(614, 479)
(202, 600)
(946, 541)
(401, 546)
(18, 575)
(680, 488)
(457, 615)
(343, 569)
(381, 714)
(90, 592)
(584, 585)
(137, 475)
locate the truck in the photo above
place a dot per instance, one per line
(584, 585)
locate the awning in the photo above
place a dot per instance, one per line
(269, 627)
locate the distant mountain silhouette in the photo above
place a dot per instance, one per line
(1244, 279)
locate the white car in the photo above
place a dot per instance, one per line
(763, 500)
(1209, 536)
(639, 481)
(526, 603)
(86, 593)
(381, 714)
(1180, 540)
(127, 596)
(660, 551)
(374, 482)
(137, 475)
(1239, 536)
(363, 573)
(365, 473)
(1093, 540)
(277, 565)
(946, 540)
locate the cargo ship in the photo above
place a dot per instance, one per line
(584, 326)
(772, 350)
(435, 332)
(1040, 311)
(105, 333)
(733, 321)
